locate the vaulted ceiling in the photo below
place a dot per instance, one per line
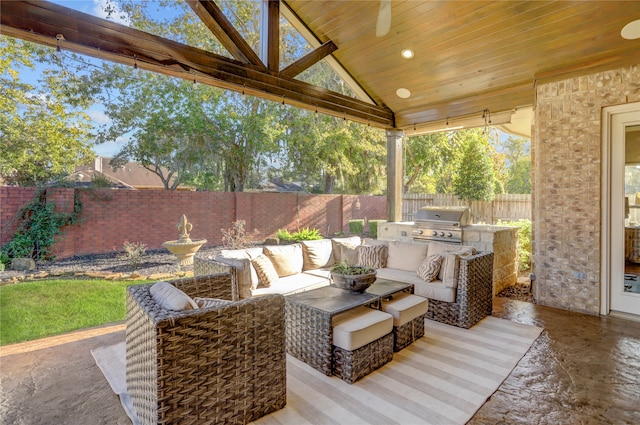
(468, 56)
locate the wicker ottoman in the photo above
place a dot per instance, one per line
(362, 342)
(408, 313)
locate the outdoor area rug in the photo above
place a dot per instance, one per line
(443, 378)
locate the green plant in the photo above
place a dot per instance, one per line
(524, 242)
(284, 235)
(373, 227)
(305, 234)
(236, 237)
(356, 227)
(344, 268)
(38, 226)
(133, 253)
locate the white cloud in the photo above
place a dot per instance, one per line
(123, 139)
(98, 117)
(109, 10)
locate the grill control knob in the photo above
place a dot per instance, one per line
(419, 232)
(441, 233)
(449, 235)
(435, 233)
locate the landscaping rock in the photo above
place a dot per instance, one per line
(23, 264)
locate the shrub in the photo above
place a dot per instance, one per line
(236, 237)
(133, 253)
(524, 242)
(38, 226)
(305, 234)
(373, 227)
(356, 227)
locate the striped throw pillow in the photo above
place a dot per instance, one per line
(430, 267)
(372, 256)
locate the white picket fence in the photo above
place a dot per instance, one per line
(505, 207)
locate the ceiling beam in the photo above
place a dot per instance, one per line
(211, 15)
(309, 60)
(315, 42)
(271, 33)
(40, 22)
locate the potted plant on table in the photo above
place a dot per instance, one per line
(352, 278)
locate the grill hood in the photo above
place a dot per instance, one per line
(448, 216)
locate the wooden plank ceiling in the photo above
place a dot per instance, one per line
(469, 56)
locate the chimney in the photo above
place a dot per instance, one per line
(98, 164)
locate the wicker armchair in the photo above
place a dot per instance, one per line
(474, 294)
(213, 365)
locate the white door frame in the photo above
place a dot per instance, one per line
(606, 263)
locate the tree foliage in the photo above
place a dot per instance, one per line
(475, 179)
(44, 132)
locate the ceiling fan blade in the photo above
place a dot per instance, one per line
(384, 18)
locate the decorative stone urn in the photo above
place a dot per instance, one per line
(184, 248)
(355, 279)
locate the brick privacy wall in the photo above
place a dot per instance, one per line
(566, 154)
(111, 217)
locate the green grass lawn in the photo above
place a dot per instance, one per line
(36, 309)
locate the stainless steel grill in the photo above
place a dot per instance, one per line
(444, 224)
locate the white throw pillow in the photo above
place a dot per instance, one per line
(171, 298)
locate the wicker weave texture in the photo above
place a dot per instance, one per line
(356, 364)
(474, 294)
(206, 267)
(309, 336)
(406, 334)
(207, 366)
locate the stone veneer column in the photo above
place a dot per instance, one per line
(566, 155)
(394, 175)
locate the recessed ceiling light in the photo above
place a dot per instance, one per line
(407, 53)
(403, 93)
(631, 31)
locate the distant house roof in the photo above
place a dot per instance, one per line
(131, 176)
(277, 185)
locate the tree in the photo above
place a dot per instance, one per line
(519, 170)
(475, 177)
(432, 162)
(44, 133)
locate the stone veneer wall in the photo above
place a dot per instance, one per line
(503, 242)
(566, 153)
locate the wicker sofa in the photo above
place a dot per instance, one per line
(219, 364)
(462, 298)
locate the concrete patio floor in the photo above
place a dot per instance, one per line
(582, 369)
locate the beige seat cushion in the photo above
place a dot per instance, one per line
(360, 326)
(287, 259)
(406, 256)
(317, 254)
(171, 298)
(405, 307)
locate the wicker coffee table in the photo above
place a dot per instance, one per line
(308, 318)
